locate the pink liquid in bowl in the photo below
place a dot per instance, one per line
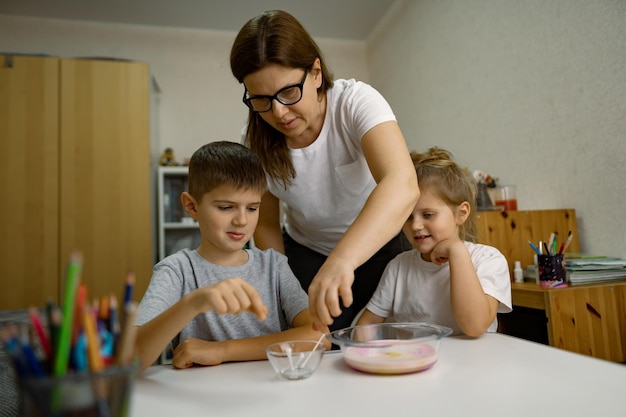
(391, 358)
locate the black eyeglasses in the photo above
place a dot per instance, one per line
(287, 96)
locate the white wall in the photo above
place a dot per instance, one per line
(200, 100)
(533, 92)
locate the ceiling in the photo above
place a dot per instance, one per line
(336, 19)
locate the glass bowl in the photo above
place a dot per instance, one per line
(390, 348)
(296, 359)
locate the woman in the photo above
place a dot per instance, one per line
(336, 160)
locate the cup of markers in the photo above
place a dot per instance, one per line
(85, 364)
(551, 263)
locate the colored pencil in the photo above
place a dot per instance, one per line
(44, 340)
(127, 339)
(62, 352)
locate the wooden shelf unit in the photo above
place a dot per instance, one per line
(588, 319)
(176, 230)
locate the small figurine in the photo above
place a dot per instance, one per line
(483, 200)
(487, 179)
(167, 158)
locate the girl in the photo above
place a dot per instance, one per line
(447, 279)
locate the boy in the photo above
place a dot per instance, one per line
(196, 297)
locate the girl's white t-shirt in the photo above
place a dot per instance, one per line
(412, 289)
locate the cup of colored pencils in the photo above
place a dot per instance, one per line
(76, 359)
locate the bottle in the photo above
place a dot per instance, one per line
(518, 272)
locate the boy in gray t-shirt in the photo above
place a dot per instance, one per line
(198, 298)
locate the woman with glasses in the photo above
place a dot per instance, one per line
(337, 165)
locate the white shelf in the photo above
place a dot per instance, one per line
(174, 233)
(180, 225)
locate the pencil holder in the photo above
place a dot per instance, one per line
(107, 393)
(551, 270)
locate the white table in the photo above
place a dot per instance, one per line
(494, 375)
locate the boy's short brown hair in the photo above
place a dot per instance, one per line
(224, 162)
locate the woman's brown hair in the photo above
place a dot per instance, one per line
(274, 37)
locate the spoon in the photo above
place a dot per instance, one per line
(286, 347)
(311, 352)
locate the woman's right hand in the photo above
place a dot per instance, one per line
(333, 281)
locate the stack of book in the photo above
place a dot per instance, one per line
(592, 269)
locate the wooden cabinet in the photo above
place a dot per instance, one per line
(588, 319)
(76, 175)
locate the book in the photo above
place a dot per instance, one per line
(586, 270)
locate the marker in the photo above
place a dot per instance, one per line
(567, 241)
(556, 235)
(33, 363)
(79, 354)
(55, 317)
(103, 312)
(11, 344)
(114, 321)
(128, 295)
(128, 289)
(81, 299)
(62, 352)
(549, 244)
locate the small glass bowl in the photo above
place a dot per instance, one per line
(296, 359)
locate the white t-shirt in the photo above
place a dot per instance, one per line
(333, 180)
(412, 289)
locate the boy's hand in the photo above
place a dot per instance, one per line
(194, 351)
(230, 296)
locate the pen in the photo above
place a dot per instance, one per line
(532, 245)
(62, 353)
